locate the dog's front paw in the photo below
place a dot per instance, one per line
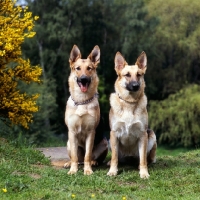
(73, 168)
(88, 172)
(67, 164)
(144, 173)
(70, 172)
(87, 168)
(112, 171)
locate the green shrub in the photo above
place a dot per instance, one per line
(176, 119)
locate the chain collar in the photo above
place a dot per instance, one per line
(96, 95)
(126, 100)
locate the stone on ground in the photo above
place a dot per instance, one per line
(57, 155)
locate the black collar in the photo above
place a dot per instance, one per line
(96, 95)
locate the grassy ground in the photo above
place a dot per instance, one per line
(26, 174)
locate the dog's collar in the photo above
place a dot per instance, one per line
(126, 100)
(96, 95)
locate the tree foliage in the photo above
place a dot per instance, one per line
(176, 119)
(168, 33)
(16, 24)
(56, 34)
(176, 45)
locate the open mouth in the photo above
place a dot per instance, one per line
(83, 83)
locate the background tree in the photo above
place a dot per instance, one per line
(171, 42)
(176, 45)
(15, 25)
(58, 30)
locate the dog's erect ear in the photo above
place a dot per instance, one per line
(119, 62)
(74, 55)
(142, 61)
(95, 55)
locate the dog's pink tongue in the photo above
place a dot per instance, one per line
(83, 88)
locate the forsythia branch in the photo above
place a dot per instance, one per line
(16, 23)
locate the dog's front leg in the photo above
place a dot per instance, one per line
(143, 142)
(114, 149)
(74, 150)
(88, 153)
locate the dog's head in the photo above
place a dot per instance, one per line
(130, 76)
(84, 69)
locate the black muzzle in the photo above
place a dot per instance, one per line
(133, 86)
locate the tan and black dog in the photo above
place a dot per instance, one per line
(82, 114)
(130, 136)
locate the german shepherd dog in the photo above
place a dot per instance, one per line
(128, 117)
(82, 114)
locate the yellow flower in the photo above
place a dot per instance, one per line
(36, 17)
(15, 26)
(93, 195)
(124, 198)
(4, 190)
(73, 195)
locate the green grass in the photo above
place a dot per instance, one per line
(164, 150)
(27, 174)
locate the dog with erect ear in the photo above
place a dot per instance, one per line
(128, 117)
(82, 116)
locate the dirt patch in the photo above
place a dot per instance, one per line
(35, 176)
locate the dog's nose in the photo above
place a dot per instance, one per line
(83, 78)
(135, 85)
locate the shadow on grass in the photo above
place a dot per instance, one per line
(190, 159)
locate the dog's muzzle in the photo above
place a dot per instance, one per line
(133, 86)
(84, 82)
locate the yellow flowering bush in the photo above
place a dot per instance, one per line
(16, 24)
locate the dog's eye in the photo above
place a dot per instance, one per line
(78, 68)
(139, 74)
(127, 75)
(89, 68)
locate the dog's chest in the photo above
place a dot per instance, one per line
(85, 109)
(128, 125)
(81, 110)
(82, 119)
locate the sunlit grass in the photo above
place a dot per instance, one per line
(26, 174)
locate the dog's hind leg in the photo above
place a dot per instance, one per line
(152, 146)
(152, 154)
(99, 152)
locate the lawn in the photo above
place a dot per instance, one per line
(26, 174)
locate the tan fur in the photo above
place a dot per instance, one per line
(129, 118)
(82, 120)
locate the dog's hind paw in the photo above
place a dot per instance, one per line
(108, 163)
(94, 163)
